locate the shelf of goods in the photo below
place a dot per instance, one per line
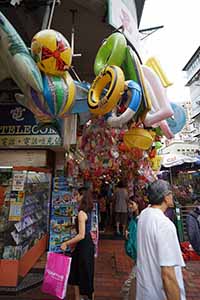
(24, 219)
(64, 211)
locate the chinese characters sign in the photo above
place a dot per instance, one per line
(18, 128)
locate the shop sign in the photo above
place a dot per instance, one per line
(123, 12)
(19, 128)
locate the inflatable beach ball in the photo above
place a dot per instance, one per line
(51, 51)
(58, 96)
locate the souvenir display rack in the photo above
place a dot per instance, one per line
(64, 210)
(24, 211)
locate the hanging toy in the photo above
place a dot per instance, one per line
(51, 51)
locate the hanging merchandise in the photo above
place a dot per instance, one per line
(154, 64)
(134, 93)
(52, 52)
(160, 102)
(111, 52)
(16, 61)
(138, 137)
(178, 121)
(131, 71)
(55, 102)
(100, 100)
(146, 100)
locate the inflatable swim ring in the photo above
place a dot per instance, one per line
(135, 92)
(129, 66)
(111, 52)
(100, 104)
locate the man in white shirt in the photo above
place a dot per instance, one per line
(159, 258)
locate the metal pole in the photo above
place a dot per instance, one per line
(52, 12)
(73, 11)
(170, 174)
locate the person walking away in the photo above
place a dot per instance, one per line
(102, 210)
(129, 287)
(193, 227)
(121, 207)
(159, 257)
(82, 265)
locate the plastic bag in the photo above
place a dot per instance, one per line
(56, 274)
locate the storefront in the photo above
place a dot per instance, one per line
(25, 191)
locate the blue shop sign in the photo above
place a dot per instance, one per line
(18, 127)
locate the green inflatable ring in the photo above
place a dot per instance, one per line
(129, 66)
(111, 52)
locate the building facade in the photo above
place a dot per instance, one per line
(192, 69)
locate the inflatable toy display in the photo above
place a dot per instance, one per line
(178, 121)
(56, 101)
(138, 138)
(134, 102)
(111, 52)
(52, 52)
(160, 103)
(15, 59)
(101, 105)
(165, 129)
(146, 99)
(154, 64)
(129, 66)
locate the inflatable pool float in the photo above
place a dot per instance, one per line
(111, 52)
(178, 120)
(146, 99)
(154, 64)
(135, 95)
(161, 108)
(112, 78)
(15, 59)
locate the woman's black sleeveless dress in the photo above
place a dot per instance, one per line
(82, 265)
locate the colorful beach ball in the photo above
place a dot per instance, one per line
(58, 96)
(51, 51)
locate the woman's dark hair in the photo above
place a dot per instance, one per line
(139, 204)
(121, 184)
(81, 190)
(86, 202)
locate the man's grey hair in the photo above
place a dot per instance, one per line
(157, 190)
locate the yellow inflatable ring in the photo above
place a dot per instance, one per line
(111, 52)
(100, 104)
(138, 138)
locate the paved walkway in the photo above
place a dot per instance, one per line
(112, 268)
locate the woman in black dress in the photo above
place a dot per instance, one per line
(82, 266)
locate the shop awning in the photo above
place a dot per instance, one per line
(171, 160)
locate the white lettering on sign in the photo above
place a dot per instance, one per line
(17, 113)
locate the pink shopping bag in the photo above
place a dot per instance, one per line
(56, 274)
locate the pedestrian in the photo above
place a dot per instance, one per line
(82, 265)
(159, 257)
(121, 207)
(102, 212)
(193, 227)
(129, 286)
